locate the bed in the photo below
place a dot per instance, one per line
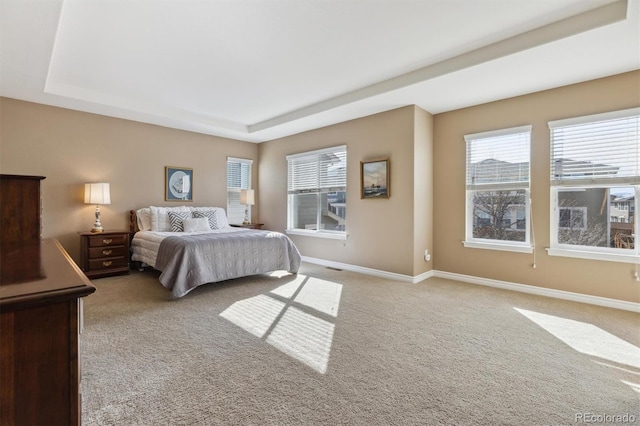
(192, 246)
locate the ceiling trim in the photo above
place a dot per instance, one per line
(586, 21)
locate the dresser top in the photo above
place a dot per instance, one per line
(38, 272)
(21, 177)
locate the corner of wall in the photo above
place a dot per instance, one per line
(423, 191)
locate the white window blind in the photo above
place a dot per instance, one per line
(498, 159)
(238, 178)
(596, 149)
(317, 171)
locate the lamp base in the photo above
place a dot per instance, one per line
(246, 220)
(97, 225)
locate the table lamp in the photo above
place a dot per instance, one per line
(247, 197)
(97, 193)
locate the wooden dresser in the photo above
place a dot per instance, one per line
(40, 312)
(20, 209)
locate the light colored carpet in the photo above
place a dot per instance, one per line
(335, 347)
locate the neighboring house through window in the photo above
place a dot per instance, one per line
(572, 218)
(317, 192)
(497, 181)
(238, 178)
(595, 178)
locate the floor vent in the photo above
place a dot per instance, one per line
(334, 269)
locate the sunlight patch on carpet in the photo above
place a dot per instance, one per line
(279, 274)
(304, 337)
(634, 386)
(288, 290)
(587, 338)
(290, 318)
(254, 315)
(321, 295)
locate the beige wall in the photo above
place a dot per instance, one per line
(598, 278)
(380, 231)
(425, 211)
(71, 148)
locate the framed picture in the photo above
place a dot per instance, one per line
(178, 184)
(375, 179)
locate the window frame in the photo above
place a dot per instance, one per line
(560, 183)
(470, 241)
(237, 190)
(319, 231)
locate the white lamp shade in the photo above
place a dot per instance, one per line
(97, 193)
(247, 196)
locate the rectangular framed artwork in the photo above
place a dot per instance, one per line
(178, 184)
(375, 181)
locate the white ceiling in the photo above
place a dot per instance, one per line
(256, 70)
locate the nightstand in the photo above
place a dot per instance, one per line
(104, 254)
(248, 225)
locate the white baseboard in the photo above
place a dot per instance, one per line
(505, 285)
(369, 271)
(541, 291)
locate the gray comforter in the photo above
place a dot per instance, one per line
(192, 260)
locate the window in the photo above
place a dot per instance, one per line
(238, 178)
(573, 218)
(317, 192)
(595, 178)
(497, 179)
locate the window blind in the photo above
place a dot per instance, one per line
(239, 173)
(318, 171)
(596, 149)
(238, 177)
(498, 159)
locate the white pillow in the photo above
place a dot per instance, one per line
(144, 219)
(160, 217)
(221, 215)
(223, 222)
(210, 215)
(199, 224)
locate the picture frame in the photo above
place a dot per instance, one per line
(178, 184)
(375, 179)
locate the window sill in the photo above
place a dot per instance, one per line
(317, 234)
(593, 255)
(497, 246)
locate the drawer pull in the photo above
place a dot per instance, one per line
(107, 241)
(107, 263)
(107, 252)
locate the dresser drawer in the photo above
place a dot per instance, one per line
(107, 240)
(107, 251)
(107, 263)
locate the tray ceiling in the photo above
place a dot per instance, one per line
(257, 70)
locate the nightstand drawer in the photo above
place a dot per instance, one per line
(105, 254)
(107, 263)
(107, 240)
(98, 252)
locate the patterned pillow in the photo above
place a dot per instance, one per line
(160, 217)
(209, 214)
(176, 218)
